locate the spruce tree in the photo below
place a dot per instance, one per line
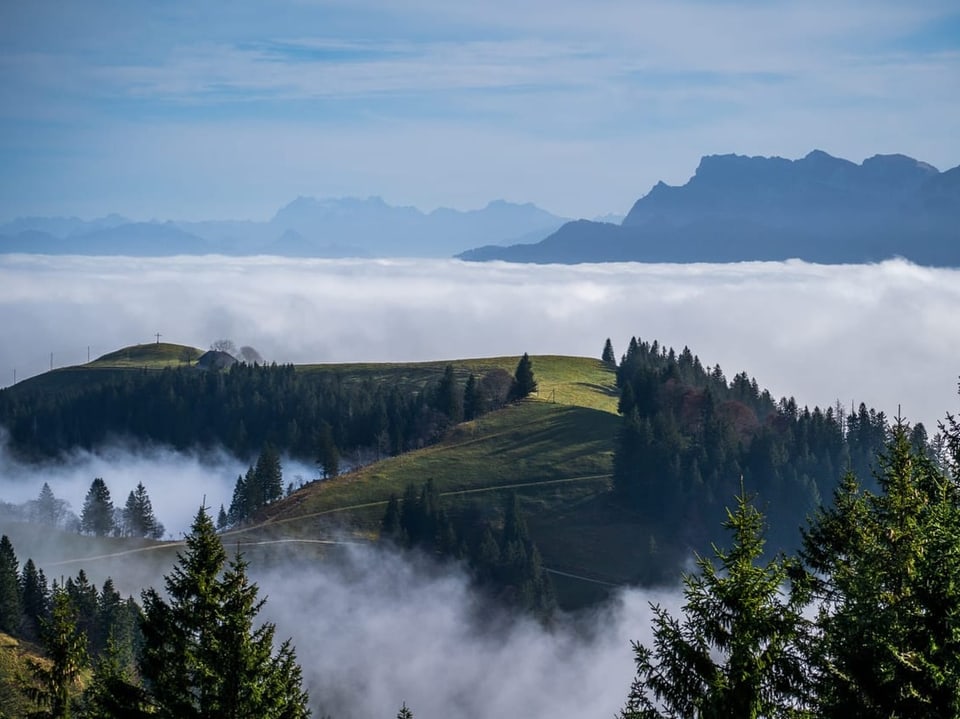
(65, 647)
(138, 517)
(97, 515)
(35, 599)
(239, 510)
(471, 399)
(887, 574)
(47, 508)
(608, 357)
(9, 588)
(202, 656)
(328, 456)
(404, 712)
(524, 383)
(222, 520)
(269, 478)
(736, 652)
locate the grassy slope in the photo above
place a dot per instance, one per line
(554, 449)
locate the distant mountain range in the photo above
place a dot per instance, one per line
(819, 208)
(307, 227)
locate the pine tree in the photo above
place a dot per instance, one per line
(97, 515)
(736, 652)
(471, 399)
(35, 599)
(9, 588)
(887, 572)
(448, 399)
(138, 517)
(114, 691)
(222, 520)
(524, 383)
(328, 456)
(239, 510)
(404, 712)
(608, 357)
(202, 657)
(269, 478)
(65, 647)
(47, 508)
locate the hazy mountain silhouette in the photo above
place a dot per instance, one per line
(819, 208)
(307, 227)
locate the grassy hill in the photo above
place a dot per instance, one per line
(150, 357)
(555, 450)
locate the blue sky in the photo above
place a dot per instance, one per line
(191, 110)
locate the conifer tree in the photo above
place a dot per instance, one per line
(47, 508)
(471, 399)
(222, 520)
(97, 515)
(138, 517)
(404, 712)
(736, 651)
(9, 588)
(269, 478)
(608, 357)
(887, 572)
(448, 399)
(524, 383)
(65, 648)
(239, 510)
(328, 456)
(35, 599)
(202, 657)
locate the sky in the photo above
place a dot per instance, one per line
(185, 110)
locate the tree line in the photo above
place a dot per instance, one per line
(248, 406)
(499, 552)
(688, 438)
(864, 621)
(98, 517)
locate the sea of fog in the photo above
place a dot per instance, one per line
(380, 629)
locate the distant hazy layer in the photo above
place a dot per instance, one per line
(885, 334)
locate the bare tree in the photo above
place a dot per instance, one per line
(249, 355)
(225, 346)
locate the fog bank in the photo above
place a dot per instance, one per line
(885, 334)
(384, 628)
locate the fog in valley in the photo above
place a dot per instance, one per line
(376, 628)
(884, 334)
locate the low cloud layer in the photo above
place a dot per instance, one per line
(884, 334)
(381, 629)
(177, 483)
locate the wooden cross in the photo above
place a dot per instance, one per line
(158, 335)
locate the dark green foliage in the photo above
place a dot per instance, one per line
(404, 712)
(448, 397)
(504, 562)
(268, 474)
(887, 572)
(328, 456)
(524, 383)
(65, 647)
(472, 401)
(97, 515)
(608, 357)
(35, 599)
(239, 509)
(242, 409)
(202, 655)
(9, 588)
(114, 691)
(84, 599)
(223, 521)
(688, 437)
(736, 652)
(138, 517)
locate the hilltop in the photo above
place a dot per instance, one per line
(818, 208)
